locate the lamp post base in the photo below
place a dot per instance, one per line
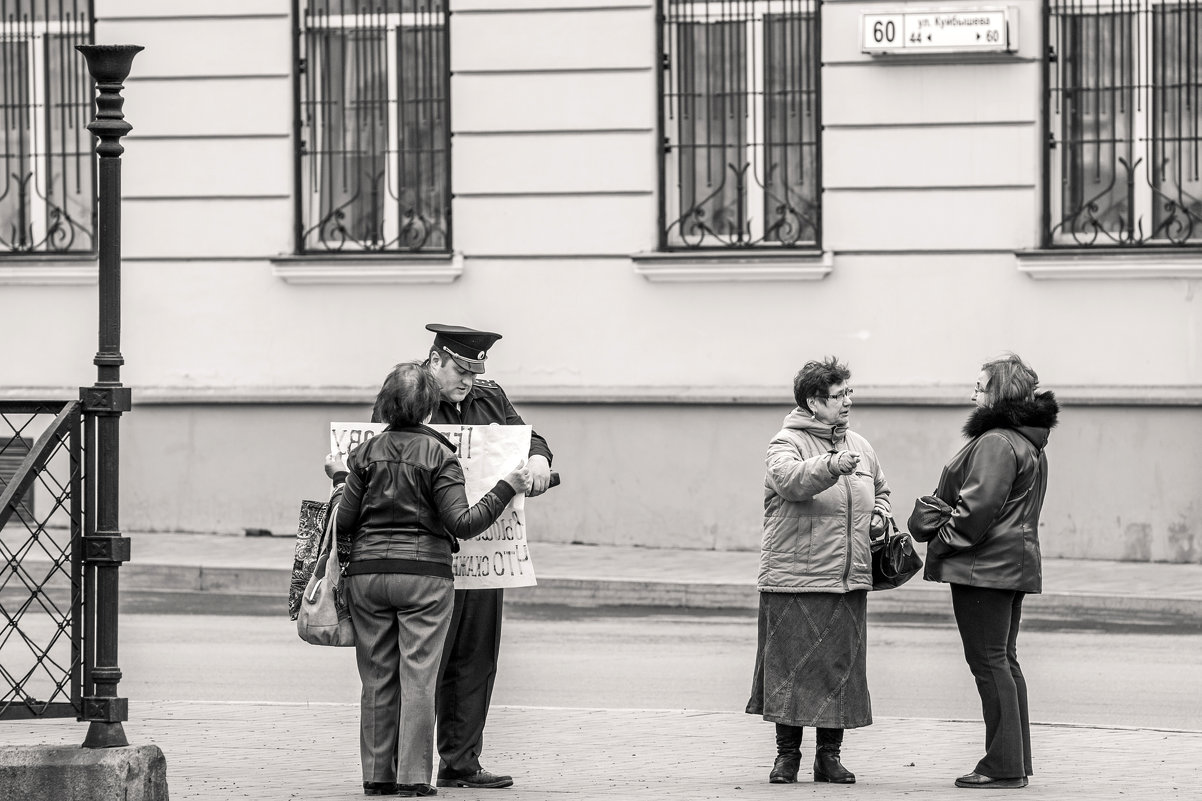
(105, 735)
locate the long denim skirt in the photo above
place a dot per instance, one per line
(810, 667)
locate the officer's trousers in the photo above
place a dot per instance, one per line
(400, 622)
(466, 676)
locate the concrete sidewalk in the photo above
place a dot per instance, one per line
(585, 575)
(296, 752)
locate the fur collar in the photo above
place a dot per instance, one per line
(1041, 412)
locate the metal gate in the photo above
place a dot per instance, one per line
(45, 587)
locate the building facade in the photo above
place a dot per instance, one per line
(665, 208)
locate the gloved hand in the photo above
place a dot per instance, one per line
(929, 515)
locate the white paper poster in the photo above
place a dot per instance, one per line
(500, 556)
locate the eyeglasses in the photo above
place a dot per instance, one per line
(839, 396)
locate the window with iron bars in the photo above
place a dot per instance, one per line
(740, 116)
(374, 125)
(47, 173)
(1124, 85)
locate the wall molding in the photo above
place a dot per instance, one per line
(392, 268)
(21, 271)
(866, 395)
(735, 266)
(1095, 263)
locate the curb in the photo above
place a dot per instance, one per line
(911, 600)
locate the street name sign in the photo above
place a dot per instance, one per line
(986, 30)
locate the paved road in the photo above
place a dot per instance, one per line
(558, 656)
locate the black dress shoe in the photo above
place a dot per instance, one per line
(784, 769)
(982, 781)
(379, 788)
(480, 780)
(411, 790)
(827, 767)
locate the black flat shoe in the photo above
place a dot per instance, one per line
(480, 780)
(981, 781)
(411, 790)
(379, 788)
(784, 769)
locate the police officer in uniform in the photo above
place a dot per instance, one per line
(469, 658)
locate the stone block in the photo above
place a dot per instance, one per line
(73, 773)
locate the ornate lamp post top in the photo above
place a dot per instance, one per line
(109, 66)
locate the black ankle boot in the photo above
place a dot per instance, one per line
(784, 769)
(827, 767)
(788, 754)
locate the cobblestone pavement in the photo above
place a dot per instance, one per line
(266, 752)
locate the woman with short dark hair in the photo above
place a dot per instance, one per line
(983, 527)
(404, 502)
(825, 498)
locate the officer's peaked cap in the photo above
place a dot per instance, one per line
(467, 346)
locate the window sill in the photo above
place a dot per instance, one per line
(1092, 264)
(82, 270)
(391, 268)
(732, 266)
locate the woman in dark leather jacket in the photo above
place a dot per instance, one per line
(404, 503)
(983, 528)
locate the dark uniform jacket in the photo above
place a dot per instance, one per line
(404, 501)
(994, 488)
(487, 403)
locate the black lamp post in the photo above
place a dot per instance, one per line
(104, 548)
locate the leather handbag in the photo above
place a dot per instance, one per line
(323, 618)
(894, 561)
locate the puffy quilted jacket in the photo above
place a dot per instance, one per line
(816, 523)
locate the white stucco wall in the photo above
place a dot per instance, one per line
(932, 196)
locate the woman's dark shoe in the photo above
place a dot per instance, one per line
(379, 788)
(480, 780)
(979, 780)
(827, 767)
(411, 790)
(784, 769)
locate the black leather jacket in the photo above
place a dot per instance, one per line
(995, 487)
(404, 502)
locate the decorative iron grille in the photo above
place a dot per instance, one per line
(740, 114)
(1124, 84)
(47, 171)
(374, 120)
(43, 663)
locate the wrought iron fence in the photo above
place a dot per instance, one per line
(373, 106)
(47, 171)
(44, 585)
(740, 114)
(1124, 101)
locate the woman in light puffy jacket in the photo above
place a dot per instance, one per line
(825, 498)
(983, 528)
